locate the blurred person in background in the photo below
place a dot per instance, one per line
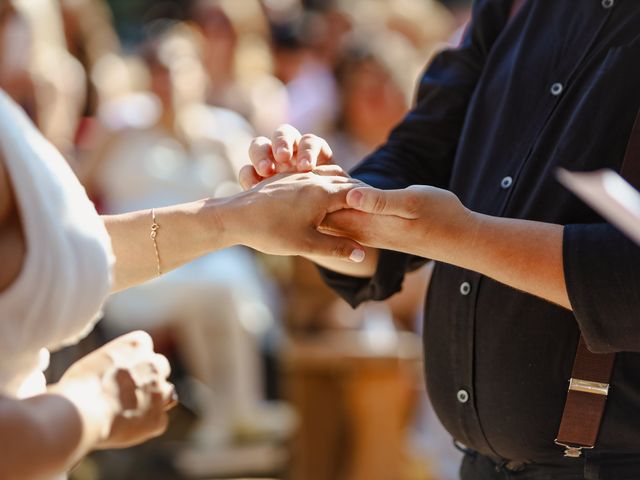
(237, 59)
(58, 77)
(90, 36)
(311, 87)
(15, 51)
(179, 149)
(375, 86)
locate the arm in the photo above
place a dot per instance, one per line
(420, 150)
(186, 232)
(589, 269)
(261, 218)
(61, 426)
(601, 268)
(432, 223)
(86, 410)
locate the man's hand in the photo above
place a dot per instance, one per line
(420, 220)
(433, 223)
(281, 215)
(287, 151)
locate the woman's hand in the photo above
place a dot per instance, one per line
(281, 215)
(130, 379)
(290, 152)
(287, 151)
(421, 220)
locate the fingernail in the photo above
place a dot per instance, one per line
(354, 198)
(304, 164)
(357, 256)
(264, 166)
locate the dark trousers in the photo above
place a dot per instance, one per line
(478, 467)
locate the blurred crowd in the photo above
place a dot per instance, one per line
(154, 103)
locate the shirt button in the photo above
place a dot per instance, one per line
(556, 89)
(506, 183)
(607, 3)
(463, 396)
(465, 288)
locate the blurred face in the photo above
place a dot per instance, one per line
(220, 39)
(287, 63)
(372, 101)
(161, 83)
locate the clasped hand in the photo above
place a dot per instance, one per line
(419, 220)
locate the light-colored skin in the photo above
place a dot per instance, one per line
(84, 411)
(114, 397)
(288, 152)
(423, 221)
(263, 218)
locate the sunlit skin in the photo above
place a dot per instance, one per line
(423, 221)
(84, 411)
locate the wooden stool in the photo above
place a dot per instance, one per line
(355, 395)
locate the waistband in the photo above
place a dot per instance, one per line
(592, 467)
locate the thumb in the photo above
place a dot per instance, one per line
(324, 245)
(382, 202)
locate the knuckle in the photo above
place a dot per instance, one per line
(259, 146)
(141, 339)
(309, 140)
(412, 204)
(285, 132)
(162, 363)
(379, 203)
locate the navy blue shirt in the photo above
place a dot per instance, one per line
(554, 83)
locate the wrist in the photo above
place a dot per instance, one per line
(467, 240)
(231, 217)
(457, 243)
(96, 405)
(215, 219)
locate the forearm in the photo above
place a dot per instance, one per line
(185, 233)
(523, 254)
(60, 426)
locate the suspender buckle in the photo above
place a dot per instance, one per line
(572, 451)
(586, 386)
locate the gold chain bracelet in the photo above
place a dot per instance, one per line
(154, 233)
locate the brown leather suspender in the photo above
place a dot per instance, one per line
(589, 383)
(584, 407)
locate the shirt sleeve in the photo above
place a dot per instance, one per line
(601, 268)
(421, 149)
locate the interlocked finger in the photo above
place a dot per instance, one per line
(261, 155)
(285, 142)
